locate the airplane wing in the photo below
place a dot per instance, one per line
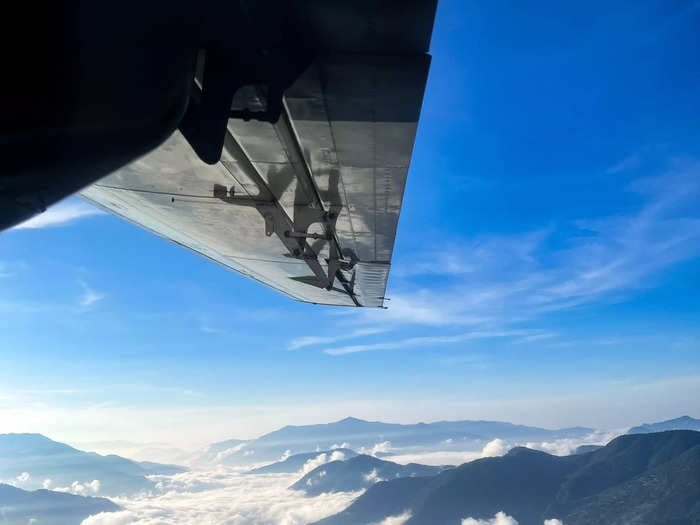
(308, 205)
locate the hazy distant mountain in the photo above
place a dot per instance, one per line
(297, 461)
(584, 449)
(358, 473)
(221, 451)
(357, 433)
(644, 479)
(680, 423)
(32, 459)
(20, 507)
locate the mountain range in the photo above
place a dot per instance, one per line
(45, 507)
(641, 479)
(679, 423)
(363, 435)
(35, 461)
(357, 473)
(296, 462)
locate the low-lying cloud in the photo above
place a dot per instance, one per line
(378, 448)
(565, 447)
(499, 447)
(224, 495)
(322, 459)
(501, 518)
(81, 489)
(111, 518)
(373, 476)
(495, 447)
(396, 520)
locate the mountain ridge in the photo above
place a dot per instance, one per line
(362, 435)
(357, 473)
(46, 507)
(532, 486)
(679, 423)
(42, 458)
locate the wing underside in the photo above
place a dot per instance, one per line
(309, 205)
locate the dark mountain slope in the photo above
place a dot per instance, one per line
(650, 479)
(358, 473)
(621, 460)
(585, 449)
(19, 507)
(42, 458)
(522, 483)
(386, 498)
(667, 495)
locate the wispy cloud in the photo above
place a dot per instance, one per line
(434, 340)
(61, 214)
(302, 342)
(89, 296)
(206, 327)
(626, 164)
(502, 280)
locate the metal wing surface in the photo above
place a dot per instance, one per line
(309, 205)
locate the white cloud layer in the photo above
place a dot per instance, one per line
(81, 489)
(224, 495)
(501, 518)
(111, 518)
(373, 476)
(230, 451)
(377, 448)
(493, 448)
(322, 459)
(565, 447)
(60, 214)
(499, 447)
(79, 420)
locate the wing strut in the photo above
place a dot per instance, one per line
(294, 233)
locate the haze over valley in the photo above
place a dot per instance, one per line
(354, 471)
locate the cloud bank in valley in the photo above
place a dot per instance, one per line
(501, 518)
(322, 459)
(81, 489)
(499, 447)
(224, 495)
(400, 519)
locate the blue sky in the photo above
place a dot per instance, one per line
(546, 268)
